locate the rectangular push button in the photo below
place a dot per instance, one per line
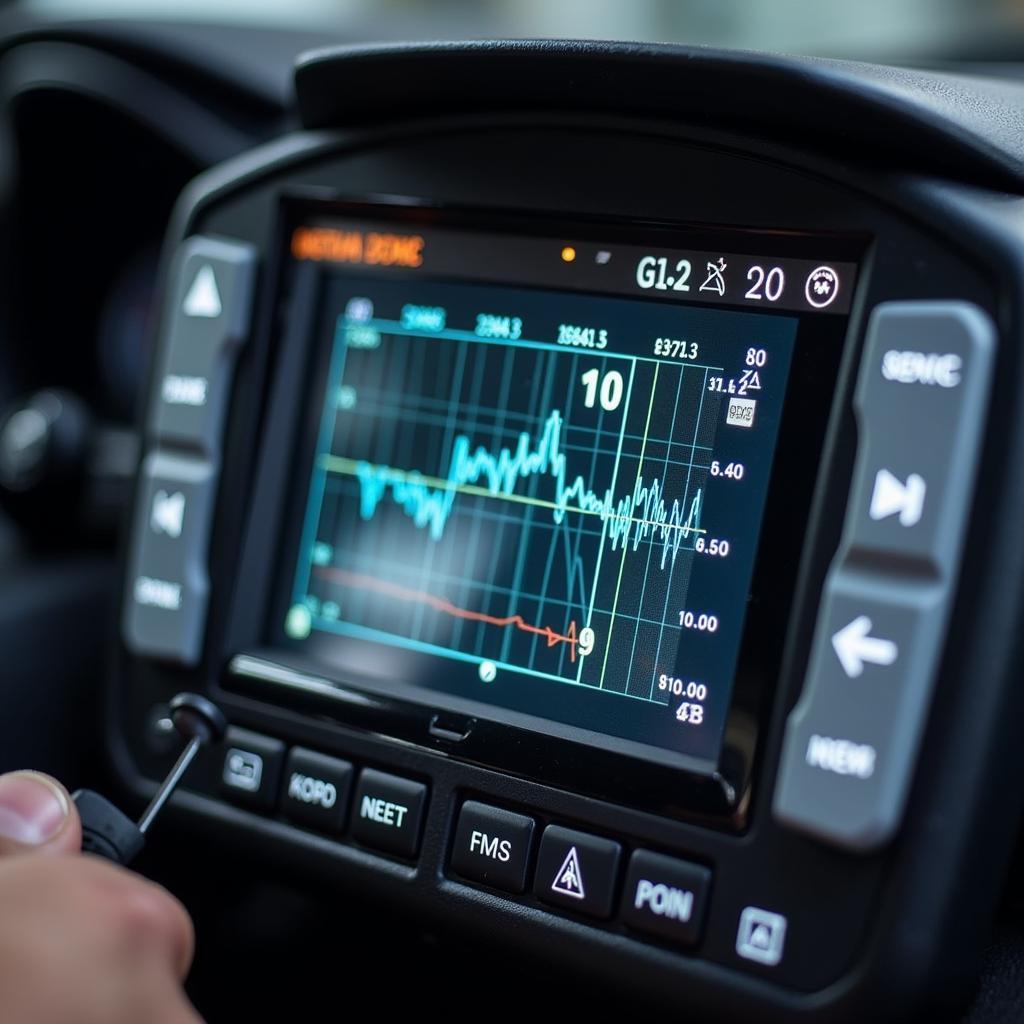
(164, 613)
(251, 768)
(208, 321)
(852, 739)
(577, 871)
(921, 407)
(492, 846)
(315, 790)
(666, 897)
(388, 813)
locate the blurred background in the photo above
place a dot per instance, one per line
(886, 30)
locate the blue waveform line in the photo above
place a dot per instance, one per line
(630, 519)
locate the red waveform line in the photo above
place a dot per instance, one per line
(355, 579)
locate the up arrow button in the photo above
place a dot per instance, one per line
(211, 294)
(855, 647)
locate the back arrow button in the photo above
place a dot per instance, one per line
(854, 646)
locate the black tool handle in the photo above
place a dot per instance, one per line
(107, 832)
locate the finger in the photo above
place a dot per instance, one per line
(37, 815)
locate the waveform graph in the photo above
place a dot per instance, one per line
(521, 505)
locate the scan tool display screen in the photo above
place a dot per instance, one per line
(537, 467)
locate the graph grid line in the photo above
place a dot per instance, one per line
(504, 528)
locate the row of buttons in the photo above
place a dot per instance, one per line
(661, 896)
(852, 740)
(166, 602)
(577, 871)
(313, 790)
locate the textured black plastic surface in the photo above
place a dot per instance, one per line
(959, 125)
(232, 64)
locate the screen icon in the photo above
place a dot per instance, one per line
(761, 936)
(359, 309)
(741, 412)
(822, 287)
(715, 281)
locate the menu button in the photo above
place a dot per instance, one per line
(251, 768)
(577, 871)
(212, 286)
(316, 790)
(665, 896)
(492, 846)
(164, 613)
(388, 812)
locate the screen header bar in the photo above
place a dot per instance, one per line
(669, 274)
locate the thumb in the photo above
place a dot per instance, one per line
(37, 816)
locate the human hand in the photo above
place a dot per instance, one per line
(81, 940)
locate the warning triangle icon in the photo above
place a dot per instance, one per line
(569, 880)
(203, 298)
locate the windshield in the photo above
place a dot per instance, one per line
(869, 29)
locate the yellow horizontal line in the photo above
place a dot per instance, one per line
(347, 467)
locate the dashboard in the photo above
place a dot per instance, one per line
(598, 520)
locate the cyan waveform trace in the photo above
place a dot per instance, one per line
(630, 519)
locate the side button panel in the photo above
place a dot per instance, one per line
(211, 294)
(852, 740)
(164, 613)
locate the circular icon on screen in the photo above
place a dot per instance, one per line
(822, 287)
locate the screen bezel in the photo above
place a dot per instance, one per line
(641, 775)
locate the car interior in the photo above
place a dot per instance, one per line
(499, 520)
